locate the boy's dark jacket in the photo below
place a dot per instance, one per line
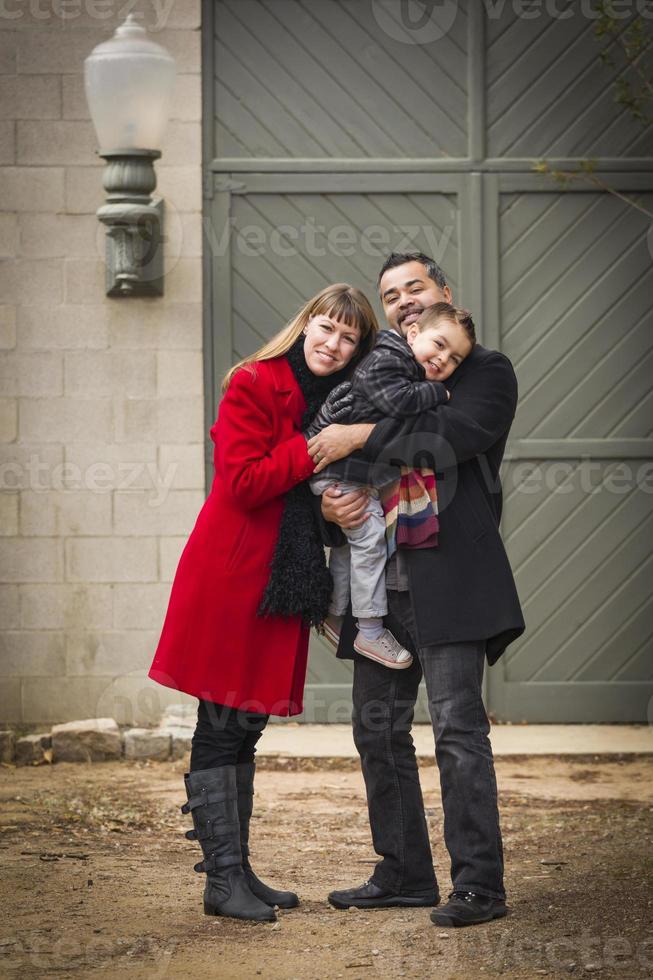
(388, 383)
(464, 588)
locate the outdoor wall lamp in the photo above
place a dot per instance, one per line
(129, 83)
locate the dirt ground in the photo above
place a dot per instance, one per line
(97, 881)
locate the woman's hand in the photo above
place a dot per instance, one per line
(337, 441)
(345, 509)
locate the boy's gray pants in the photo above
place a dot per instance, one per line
(358, 567)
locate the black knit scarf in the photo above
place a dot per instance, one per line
(300, 583)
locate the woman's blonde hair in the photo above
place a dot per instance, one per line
(340, 301)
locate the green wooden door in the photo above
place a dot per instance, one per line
(338, 130)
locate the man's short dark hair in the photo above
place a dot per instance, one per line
(396, 259)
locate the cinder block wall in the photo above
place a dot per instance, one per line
(101, 416)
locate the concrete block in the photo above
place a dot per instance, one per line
(179, 373)
(9, 607)
(187, 99)
(7, 52)
(181, 742)
(33, 750)
(111, 559)
(84, 280)
(185, 47)
(182, 144)
(180, 14)
(62, 327)
(31, 188)
(68, 420)
(7, 746)
(9, 236)
(181, 187)
(60, 236)
(170, 550)
(31, 560)
(44, 51)
(112, 653)
(147, 743)
(74, 105)
(180, 714)
(11, 707)
(135, 700)
(65, 512)
(7, 143)
(136, 419)
(83, 191)
(30, 281)
(59, 699)
(31, 375)
(137, 607)
(8, 419)
(7, 327)
(102, 467)
(183, 237)
(181, 419)
(184, 464)
(30, 467)
(92, 740)
(28, 653)
(106, 374)
(183, 283)
(149, 325)
(25, 97)
(66, 607)
(8, 514)
(166, 512)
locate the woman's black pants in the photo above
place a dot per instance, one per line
(224, 736)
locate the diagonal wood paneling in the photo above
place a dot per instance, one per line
(547, 92)
(583, 569)
(305, 241)
(577, 277)
(576, 286)
(320, 78)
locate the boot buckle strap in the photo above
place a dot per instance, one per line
(205, 798)
(213, 862)
(212, 829)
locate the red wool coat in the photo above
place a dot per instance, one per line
(213, 644)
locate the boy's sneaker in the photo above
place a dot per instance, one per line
(331, 629)
(386, 650)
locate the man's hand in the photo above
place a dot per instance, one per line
(345, 509)
(337, 441)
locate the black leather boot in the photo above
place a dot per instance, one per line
(245, 781)
(213, 803)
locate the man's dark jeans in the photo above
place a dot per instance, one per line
(384, 700)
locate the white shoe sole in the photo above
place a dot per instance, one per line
(392, 664)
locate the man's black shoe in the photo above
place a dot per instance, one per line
(468, 909)
(370, 896)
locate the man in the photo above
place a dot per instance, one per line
(453, 606)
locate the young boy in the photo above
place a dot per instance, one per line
(399, 378)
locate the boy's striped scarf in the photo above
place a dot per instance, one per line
(410, 505)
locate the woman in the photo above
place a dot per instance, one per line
(252, 580)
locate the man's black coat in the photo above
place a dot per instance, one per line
(464, 588)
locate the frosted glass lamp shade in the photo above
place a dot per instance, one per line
(129, 83)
